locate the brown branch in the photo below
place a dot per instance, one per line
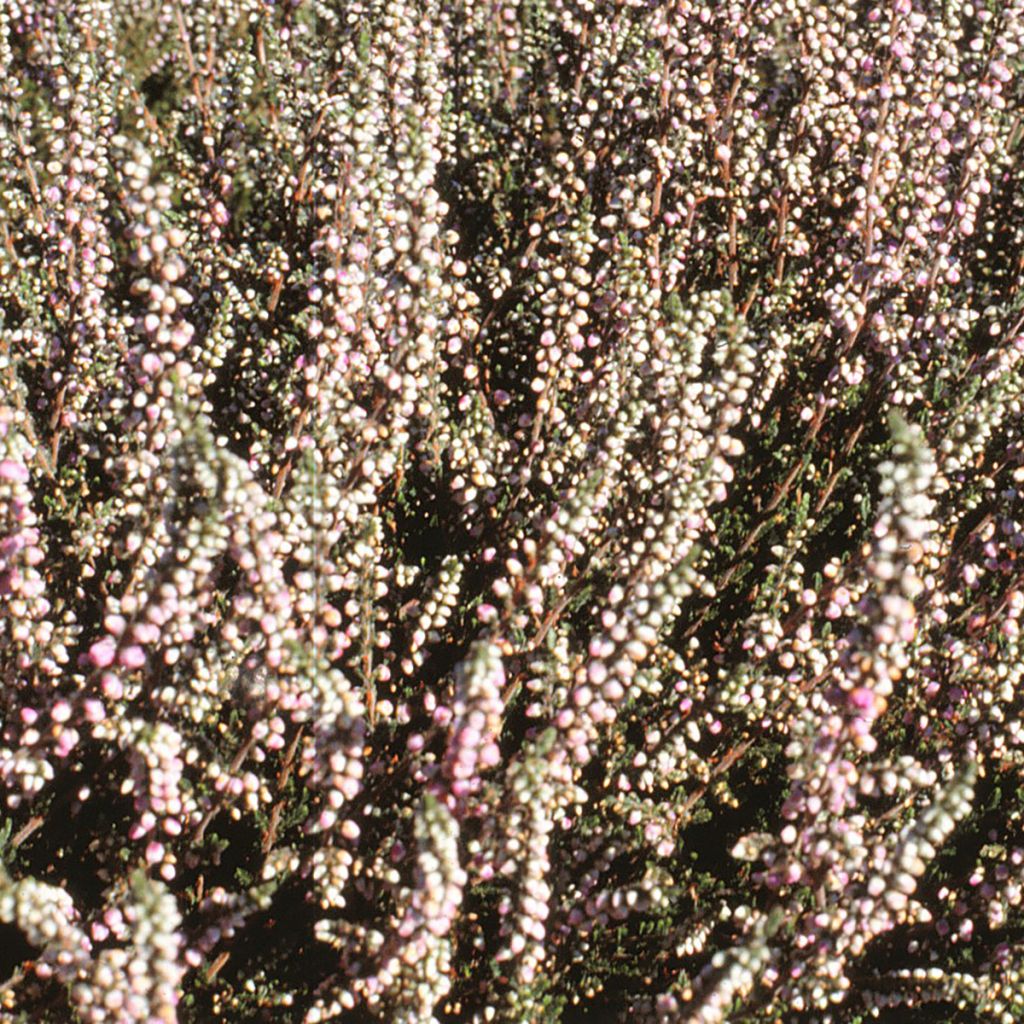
(270, 835)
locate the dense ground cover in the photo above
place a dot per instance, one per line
(511, 511)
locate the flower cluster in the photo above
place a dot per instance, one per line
(511, 511)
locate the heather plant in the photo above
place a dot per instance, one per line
(511, 512)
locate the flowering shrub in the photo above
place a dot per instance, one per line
(511, 512)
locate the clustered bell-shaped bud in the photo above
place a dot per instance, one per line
(477, 719)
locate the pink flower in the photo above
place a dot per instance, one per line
(862, 698)
(113, 688)
(114, 624)
(11, 470)
(101, 654)
(94, 711)
(146, 632)
(132, 657)
(66, 743)
(151, 363)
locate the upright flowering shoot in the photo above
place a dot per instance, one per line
(836, 733)
(476, 720)
(903, 535)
